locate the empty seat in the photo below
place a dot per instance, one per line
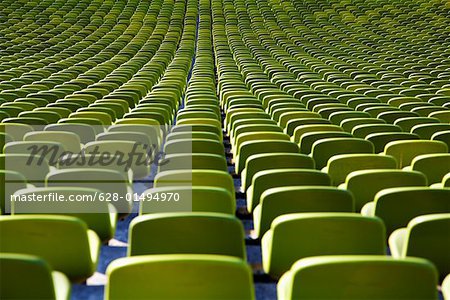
(264, 180)
(266, 161)
(265, 146)
(339, 166)
(187, 233)
(195, 276)
(434, 166)
(340, 278)
(30, 277)
(64, 242)
(425, 236)
(397, 206)
(324, 149)
(295, 236)
(187, 199)
(405, 151)
(295, 199)
(365, 184)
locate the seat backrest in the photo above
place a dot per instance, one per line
(265, 180)
(61, 240)
(33, 170)
(129, 154)
(405, 151)
(365, 184)
(212, 178)
(266, 161)
(264, 146)
(193, 161)
(339, 166)
(385, 278)
(289, 238)
(397, 206)
(434, 166)
(187, 199)
(187, 233)
(28, 277)
(380, 140)
(323, 150)
(70, 141)
(195, 276)
(430, 230)
(295, 199)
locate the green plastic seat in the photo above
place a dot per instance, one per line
(365, 184)
(110, 179)
(193, 161)
(30, 277)
(194, 146)
(153, 133)
(190, 199)
(266, 161)
(349, 124)
(290, 238)
(380, 140)
(70, 141)
(26, 121)
(250, 148)
(123, 151)
(34, 170)
(187, 233)
(37, 150)
(298, 199)
(426, 131)
(104, 118)
(304, 129)
(324, 149)
(192, 135)
(264, 180)
(308, 139)
(339, 166)
(355, 277)
(293, 124)
(49, 116)
(362, 131)
(434, 166)
(405, 151)
(416, 238)
(196, 276)
(398, 206)
(15, 131)
(64, 242)
(443, 115)
(408, 123)
(86, 133)
(211, 178)
(10, 182)
(95, 214)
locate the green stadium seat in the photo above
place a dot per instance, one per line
(264, 180)
(332, 233)
(405, 151)
(187, 233)
(30, 277)
(340, 166)
(384, 278)
(398, 206)
(297, 199)
(197, 277)
(64, 242)
(416, 238)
